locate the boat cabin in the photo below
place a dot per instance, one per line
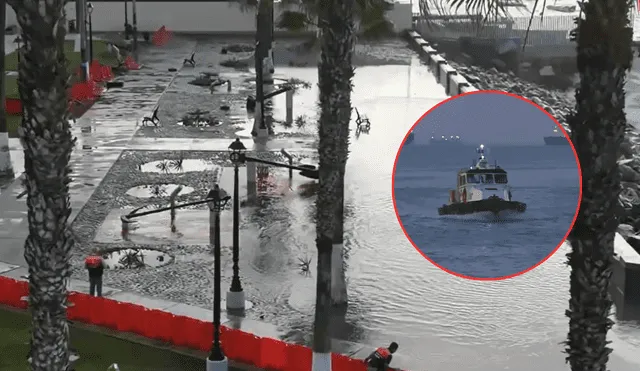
(481, 181)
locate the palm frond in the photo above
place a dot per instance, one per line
(245, 5)
(487, 9)
(533, 13)
(293, 21)
(363, 6)
(308, 7)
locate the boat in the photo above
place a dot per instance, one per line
(409, 139)
(452, 140)
(556, 140)
(483, 190)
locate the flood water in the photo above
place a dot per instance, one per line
(441, 322)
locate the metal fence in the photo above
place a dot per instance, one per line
(550, 30)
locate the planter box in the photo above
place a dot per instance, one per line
(625, 281)
(13, 106)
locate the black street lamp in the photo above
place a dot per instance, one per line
(235, 296)
(126, 20)
(18, 41)
(89, 11)
(216, 361)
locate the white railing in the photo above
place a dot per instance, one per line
(543, 31)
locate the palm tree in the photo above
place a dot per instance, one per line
(336, 22)
(597, 131)
(47, 141)
(299, 15)
(6, 169)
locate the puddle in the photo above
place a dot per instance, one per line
(157, 190)
(178, 166)
(136, 258)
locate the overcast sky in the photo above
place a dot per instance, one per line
(488, 118)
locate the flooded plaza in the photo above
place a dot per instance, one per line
(441, 322)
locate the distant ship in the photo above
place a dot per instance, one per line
(556, 140)
(446, 141)
(409, 138)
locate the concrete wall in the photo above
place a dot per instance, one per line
(189, 16)
(446, 75)
(625, 281)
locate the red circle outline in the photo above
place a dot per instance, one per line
(501, 278)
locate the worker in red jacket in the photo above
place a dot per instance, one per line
(95, 266)
(380, 359)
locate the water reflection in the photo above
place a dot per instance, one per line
(178, 166)
(157, 190)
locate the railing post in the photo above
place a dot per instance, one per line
(289, 107)
(290, 158)
(172, 199)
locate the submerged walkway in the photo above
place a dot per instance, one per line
(107, 129)
(102, 132)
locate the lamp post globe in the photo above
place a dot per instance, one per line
(236, 152)
(218, 200)
(235, 295)
(18, 42)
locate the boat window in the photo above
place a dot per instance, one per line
(472, 178)
(462, 179)
(487, 178)
(501, 178)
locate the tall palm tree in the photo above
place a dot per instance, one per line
(597, 132)
(6, 169)
(299, 15)
(47, 141)
(335, 72)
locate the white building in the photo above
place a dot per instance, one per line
(199, 16)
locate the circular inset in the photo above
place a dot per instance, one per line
(157, 190)
(130, 258)
(489, 187)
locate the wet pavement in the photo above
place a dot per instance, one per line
(277, 236)
(102, 134)
(228, 106)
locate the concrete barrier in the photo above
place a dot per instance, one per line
(445, 74)
(625, 280)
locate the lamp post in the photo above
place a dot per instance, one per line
(235, 296)
(82, 25)
(134, 15)
(89, 11)
(126, 20)
(216, 361)
(18, 42)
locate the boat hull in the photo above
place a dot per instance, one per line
(491, 208)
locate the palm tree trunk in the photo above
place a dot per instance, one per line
(6, 169)
(335, 71)
(263, 45)
(597, 131)
(338, 277)
(47, 141)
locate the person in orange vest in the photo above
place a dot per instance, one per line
(380, 359)
(95, 266)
